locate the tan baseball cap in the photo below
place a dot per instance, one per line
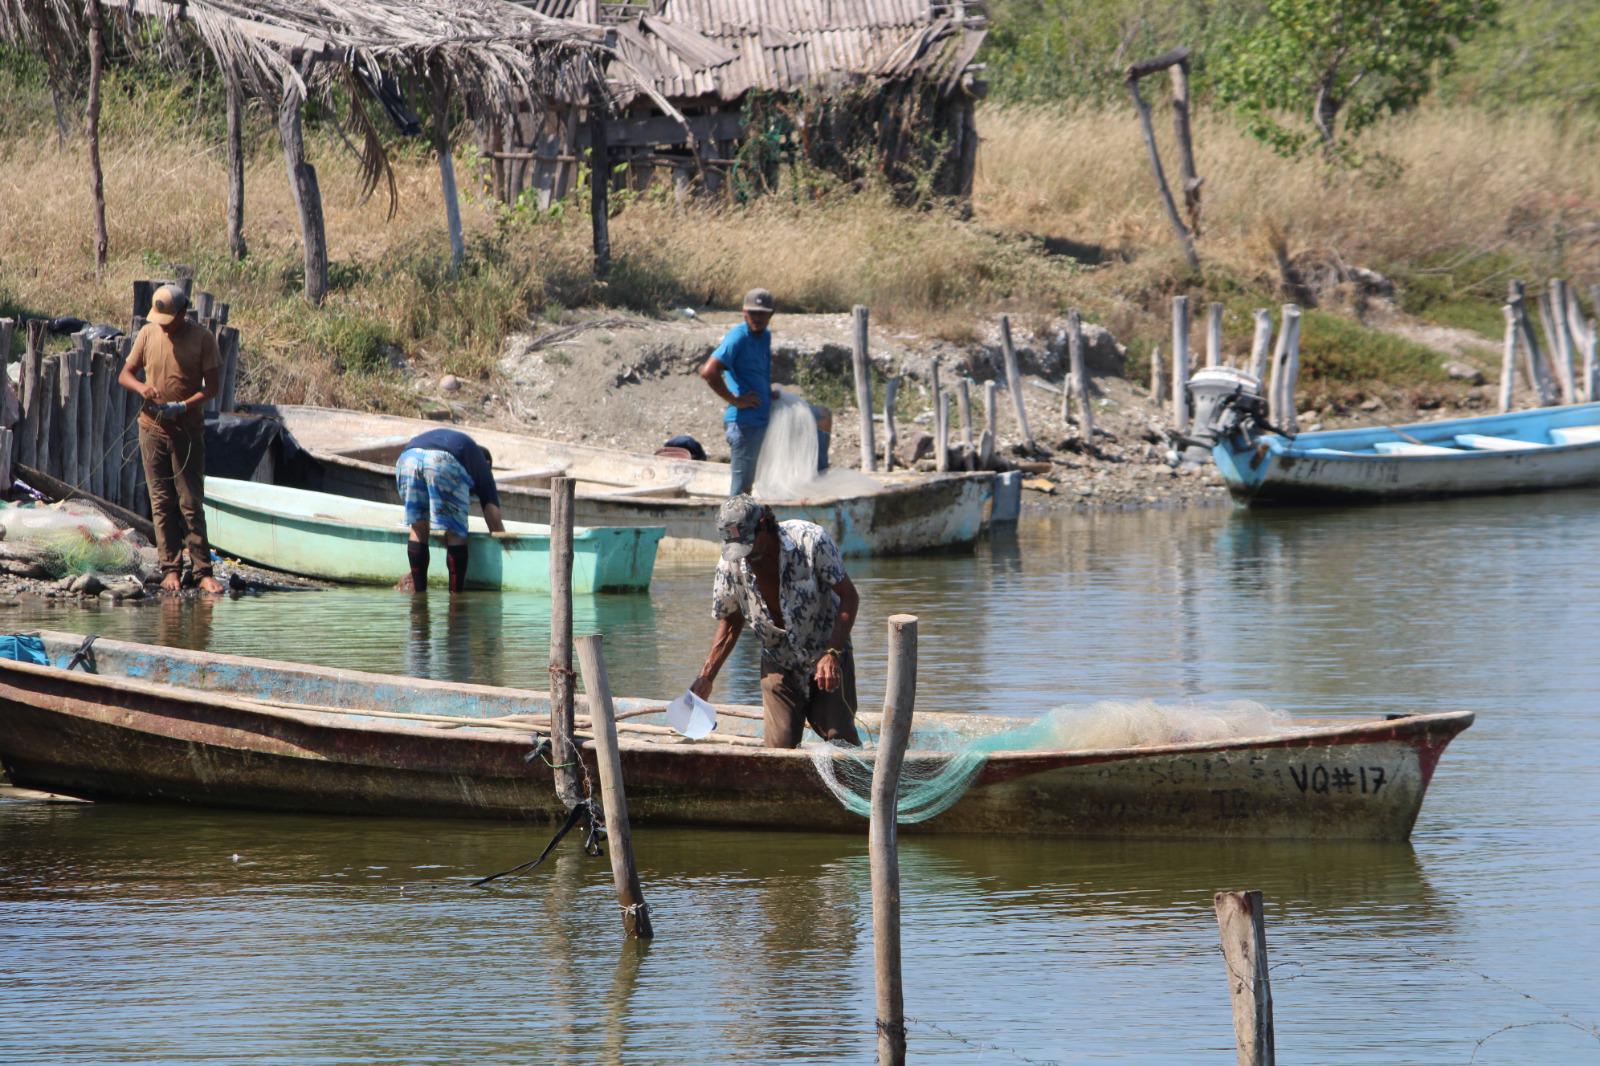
(167, 305)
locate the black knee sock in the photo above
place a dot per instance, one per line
(417, 556)
(455, 558)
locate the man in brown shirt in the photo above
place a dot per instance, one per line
(179, 360)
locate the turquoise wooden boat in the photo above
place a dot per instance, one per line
(336, 538)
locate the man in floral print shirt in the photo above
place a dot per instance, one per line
(786, 580)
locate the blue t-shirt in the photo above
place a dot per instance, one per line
(467, 452)
(747, 368)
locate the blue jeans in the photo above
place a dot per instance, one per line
(744, 443)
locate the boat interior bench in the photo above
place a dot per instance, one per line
(1576, 435)
(1482, 443)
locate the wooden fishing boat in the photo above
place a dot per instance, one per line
(907, 513)
(1522, 451)
(336, 538)
(157, 724)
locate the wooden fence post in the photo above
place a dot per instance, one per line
(1014, 382)
(8, 330)
(1552, 312)
(67, 397)
(1290, 376)
(229, 336)
(1243, 929)
(307, 195)
(1180, 363)
(1508, 362)
(1079, 378)
(891, 437)
(91, 122)
(27, 446)
(100, 398)
(1158, 385)
(635, 912)
(84, 352)
(563, 752)
(599, 188)
(7, 454)
(1214, 334)
(1131, 80)
(863, 369)
(899, 699)
(987, 440)
(1261, 345)
(941, 442)
(235, 111)
(49, 449)
(1533, 356)
(964, 412)
(114, 441)
(132, 457)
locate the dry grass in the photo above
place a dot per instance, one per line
(1049, 183)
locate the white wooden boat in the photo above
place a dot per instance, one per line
(909, 513)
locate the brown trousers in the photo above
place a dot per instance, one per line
(175, 473)
(790, 701)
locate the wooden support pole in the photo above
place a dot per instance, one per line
(447, 168)
(91, 116)
(991, 409)
(1289, 419)
(1242, 926)
(1553, 311)
(132, 458)
(1582, 341)
(1214, 334)
(599, 188)
(203, 303)
(1179, 73)
(307, 195)
(1274, 383)
(619, 837)
(115, 437)
(1185, 239)
(863, 369)
(144, 291)
(1180, 363)
(83, 350)
(228, 338)
(1261, 345)
(1079, 378)
(899, 700)
(964, 413)
(1533, 356)
(235, 109)
(67, 396)
(891, 437)
(941, 441)
(27, 445)
(1014, 383)
(1591, 362)
(564, 754)
(1158, 389)
(7, 457)
(102, 379)
(49, 448)
(1508, 362)
(10, 400)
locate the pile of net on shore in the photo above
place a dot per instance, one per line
(68, 542)
(941, 762)
(787, 466)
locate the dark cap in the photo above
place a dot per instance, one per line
(758, 300)
(738, 519)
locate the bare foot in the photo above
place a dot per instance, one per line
(211, 585)
(171, 581)
(405, 584)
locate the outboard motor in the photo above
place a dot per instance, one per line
(1223, 401)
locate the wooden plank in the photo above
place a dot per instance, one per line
(619, 836)
(899, 700)
(862, 363)
(1242, 927)
(564, 755)
(1014, 381)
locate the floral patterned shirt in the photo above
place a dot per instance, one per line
(809, 568)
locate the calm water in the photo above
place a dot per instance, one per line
(151, 935)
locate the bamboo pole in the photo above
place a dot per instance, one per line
(1079, 378)
(1508, 362)
(235, 112)
(27, 447)
(1290, 418)
(941, 443)
(891, 437)
(1158, 387)
(1180, 363)
(1214, 334)
(563, 752)
(635, 912)
(91, 115)
(1242, 927)
(1014, 383)
(899, 700)
(964, 412)
(1261, 345)
(863, 368)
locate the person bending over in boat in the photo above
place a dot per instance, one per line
(787, 581)
(438, 473)
(740, 372)
(179, 361)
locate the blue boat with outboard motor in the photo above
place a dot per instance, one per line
(1522, 451)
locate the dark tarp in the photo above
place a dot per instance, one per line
(237, 443)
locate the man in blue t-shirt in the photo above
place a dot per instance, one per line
(740, 372)
(437, 475)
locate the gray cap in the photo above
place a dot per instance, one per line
(758, 300)
(738, 519)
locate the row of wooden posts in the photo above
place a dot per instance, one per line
(77, 430)
(1276, 367)
(977, 449)
(1564, 369)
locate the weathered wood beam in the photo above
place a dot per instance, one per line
(91, 114)
(235, 102)
(307, 196)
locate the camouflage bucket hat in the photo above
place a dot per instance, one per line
(738, 520)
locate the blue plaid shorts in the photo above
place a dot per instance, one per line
(435, 484)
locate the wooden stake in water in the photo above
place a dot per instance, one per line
(991, 408)
(899, 700)
(1243, 928)
(619, 837)
(1014, 381)
(1180, 363)
(562, 751)
(863, 368)
(1508, 362)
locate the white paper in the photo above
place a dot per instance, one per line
(691, 716)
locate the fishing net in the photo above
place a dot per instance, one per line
(942, 762)
(787, 466)
(71, 553)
